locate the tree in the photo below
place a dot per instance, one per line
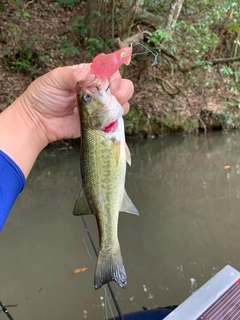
(174, 13)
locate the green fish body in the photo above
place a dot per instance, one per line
(103, 168)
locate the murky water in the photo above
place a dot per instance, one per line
(188, 229)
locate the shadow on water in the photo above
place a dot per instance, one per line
(188, 229)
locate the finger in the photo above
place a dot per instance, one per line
(126, 108)
(65, 78)
(115, 81)
(71, 128)
(125, 91)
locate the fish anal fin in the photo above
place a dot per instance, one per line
(127, 205)
(81, 206)
(128, 154)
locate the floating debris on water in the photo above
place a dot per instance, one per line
(150, 296)
(79, 270)
(85, 314)
(227, 167)
(180, 271)
(145, 288)
(193, 285)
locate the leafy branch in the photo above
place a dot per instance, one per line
(210, 62)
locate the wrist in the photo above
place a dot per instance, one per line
(22, 135)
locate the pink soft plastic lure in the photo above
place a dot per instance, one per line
(105, 65)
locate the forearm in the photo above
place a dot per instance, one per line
(12, 182)
(19, 136)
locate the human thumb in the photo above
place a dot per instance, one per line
(65, 78)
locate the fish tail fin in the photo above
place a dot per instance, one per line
(110, 268)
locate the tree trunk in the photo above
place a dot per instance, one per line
(153, 19)
(95, 13)
(174, 12)
(129, 19)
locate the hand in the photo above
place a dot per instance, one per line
(45, 113)
(50, 101)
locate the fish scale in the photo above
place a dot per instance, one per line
(106, 212)
(103, 169)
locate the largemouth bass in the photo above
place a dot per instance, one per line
(103, 157)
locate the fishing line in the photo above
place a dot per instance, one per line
(88, 252)
(86, 230)
(105, 302)
(5, 310)
(153, 52)
(108, 284)
(110, 307)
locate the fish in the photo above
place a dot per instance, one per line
(103, 158)
(105, 65)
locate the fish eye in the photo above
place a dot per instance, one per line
(123, 54)
(86, 98)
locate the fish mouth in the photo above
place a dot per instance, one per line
(111, 127)
(89, 83)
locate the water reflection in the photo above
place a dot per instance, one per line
(187, 190)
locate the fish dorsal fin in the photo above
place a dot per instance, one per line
(116, 151)
(127, 205)
(81, 206)
(128, 154)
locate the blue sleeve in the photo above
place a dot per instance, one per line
(12, 182)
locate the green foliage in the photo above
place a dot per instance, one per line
(67, 47)
(9, 101)
(17, 2)
(67, 3)
(233, 26)
(2, 7)
(79, 26)
(226, 119)
(131, 120)
(197, 38)
(232, 78)
(98, 15)
(237, 76)
(156, 6)
(211, 82)
(24, 57)
(205, 30)
(160, 34)
(235, 103)
(21, 59)
(226, 70)
(23, 13)
(95, 45)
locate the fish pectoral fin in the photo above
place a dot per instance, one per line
(81, 206)
(127, 205)
(128, 154)
(116, 151)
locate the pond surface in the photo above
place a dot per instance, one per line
(187, 190)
